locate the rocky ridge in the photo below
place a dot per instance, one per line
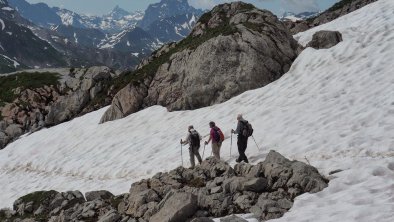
(339, 9)
(49, 98)
(210, 190)
(234, 48)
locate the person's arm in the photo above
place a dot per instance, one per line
(210, 137)
(186, 141)
(237, 131)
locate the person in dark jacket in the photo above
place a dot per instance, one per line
(242, 139)
(193, 138)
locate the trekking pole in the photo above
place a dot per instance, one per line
(182, 155)
(203, 152)
(256, 143)
(231, 144)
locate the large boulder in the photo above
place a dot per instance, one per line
(325, 39)
(98, 73)
(234, 48)
(179, 207)
(32, 202)
(3, 140)
(292, 175)
(67, 108)
(128, 100)
(272, 205)
(14, 130)
(222, 67)
(232, 218)
(101, 194)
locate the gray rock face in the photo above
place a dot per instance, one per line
(14, 130)
(66, 108)
(102, 194)
(178, 207)
(128, 100)
(325, 39)
(111, 216)
(3, 140)
(202, 219)
(254, 50)
(78, 91)
(232, 218)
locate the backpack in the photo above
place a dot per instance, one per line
(218, 135)
(194, 139)
(247, 130)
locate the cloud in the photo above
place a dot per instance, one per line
(296, 6)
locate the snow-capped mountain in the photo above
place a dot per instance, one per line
(135, 40)
(40, 14)
(165, 9)
(114, 22)
(300, 16)
(26, 45)
(20, 47)
(44, 16)
(173, 28)
(334, 109)
(70, 18)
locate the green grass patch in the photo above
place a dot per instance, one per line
(24, 81)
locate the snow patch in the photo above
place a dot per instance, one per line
(2, 24)
(7, 9)
(335, 106)
(15, 63)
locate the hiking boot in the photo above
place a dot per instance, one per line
(237, 160)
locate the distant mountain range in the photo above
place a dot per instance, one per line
(300, 16)
(118, 39)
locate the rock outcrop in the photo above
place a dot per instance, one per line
(325, 39)
(234, 48)
(73, 93)
(211, 190)
(339, 9)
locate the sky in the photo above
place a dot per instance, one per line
(99, 7)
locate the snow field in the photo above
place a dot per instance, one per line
(335, 108)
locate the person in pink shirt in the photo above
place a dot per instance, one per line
(217, 137)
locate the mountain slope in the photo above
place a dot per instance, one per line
(173, 28)
(233, 48)
(136, 41)
(334, 107)
(165, 9)
(20, 46)
(40, 14)
(43, 15)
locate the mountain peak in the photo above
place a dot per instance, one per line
(118, 12)
(165, 9)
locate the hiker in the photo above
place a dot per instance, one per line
(217, 138)
(244, 130)
(193, 139)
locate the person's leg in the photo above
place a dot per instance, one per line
(219, 148)
(197, 154)
(215, 150)
(242, 149)
(239, 144)
(246, 146)
(191, 157)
